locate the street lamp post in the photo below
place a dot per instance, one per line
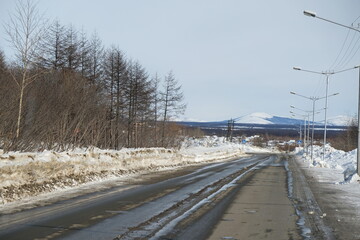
(306, 117)
(358, 145)
(327, 74)
(308, 128)
(307, 132)
(300, 133)
(313, 14)
(314, 99)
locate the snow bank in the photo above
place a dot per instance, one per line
(25, 175)
(336, 171)
(334, 159)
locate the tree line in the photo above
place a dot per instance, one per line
(65, 90)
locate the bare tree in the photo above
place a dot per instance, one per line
(156, 100)
(96, 54)
(115, 74)
(138, 93)
(84, 52)
(172, 101)
(71, 49)
(2, 63)
(7, 100)
(54, 47)
(81, 96)
(25, 31)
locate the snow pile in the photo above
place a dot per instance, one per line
(214, 145)
(25, 175)
(334, 159)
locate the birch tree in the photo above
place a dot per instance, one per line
(25, 31)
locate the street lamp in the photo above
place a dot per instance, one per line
(300, 133)
(308, 128)
(314, 99)
(309, 14)
(327, 74)
(313, 14)
(307, 133)
(306, 117)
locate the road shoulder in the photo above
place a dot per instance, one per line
(329, 214)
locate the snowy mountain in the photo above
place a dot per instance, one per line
(264, 118)
(340, 120)
(255, 118)
(259, 120)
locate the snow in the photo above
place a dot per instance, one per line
(29, 174)
(261, 115)
(337, 170)
(335, 160)
(265, 118)
(340, 120)
(255, 118)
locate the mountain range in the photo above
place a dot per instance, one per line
(265, 118)
(260, 118)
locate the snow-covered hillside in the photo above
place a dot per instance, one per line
(340, 120)
(265, 118)
(255, 118)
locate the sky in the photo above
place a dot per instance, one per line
(231, 57)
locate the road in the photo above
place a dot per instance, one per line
(246, 198)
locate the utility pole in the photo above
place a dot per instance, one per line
(313, 14)
(314, 99)
(230, 129)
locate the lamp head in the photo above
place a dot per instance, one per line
(292, 93)
(309, 14)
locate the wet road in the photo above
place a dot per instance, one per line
(182, 205)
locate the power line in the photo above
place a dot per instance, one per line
(347, 51)
(344, 57)
(350, 58)
(342, 48)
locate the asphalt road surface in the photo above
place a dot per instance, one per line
(246, 198)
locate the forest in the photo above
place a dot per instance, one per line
(64, 89)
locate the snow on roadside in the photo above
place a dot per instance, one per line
(335, 160)
(337, 171)
(24, 175)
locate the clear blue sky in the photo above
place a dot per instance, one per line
(232, 57)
